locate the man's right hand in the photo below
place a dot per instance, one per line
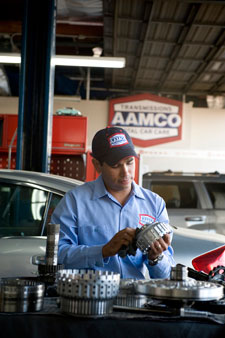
(123, 237)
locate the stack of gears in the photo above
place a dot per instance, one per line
(48, 265)
(21, 295)
(87, 292)
(127, 296)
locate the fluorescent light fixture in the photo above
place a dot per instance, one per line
(89, 61)
(76, 61)
(10, 58)
(217, 102)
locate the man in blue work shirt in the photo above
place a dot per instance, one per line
(99, 217)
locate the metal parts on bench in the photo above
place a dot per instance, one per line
(21, 295)
(128, 297)
(48, 265)
(179, 287)
(87, 292)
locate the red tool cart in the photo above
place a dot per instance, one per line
(69, 142)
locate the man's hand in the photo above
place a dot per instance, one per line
(158, 246)
(123, 237)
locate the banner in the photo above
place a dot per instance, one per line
(149, 119)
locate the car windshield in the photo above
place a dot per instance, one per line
(21, 210)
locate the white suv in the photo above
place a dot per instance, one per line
(196, 201)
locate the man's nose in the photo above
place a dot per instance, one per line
(124, 169)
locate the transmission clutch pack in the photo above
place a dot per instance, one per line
(150, 233)
(87, 292)
(144, 237)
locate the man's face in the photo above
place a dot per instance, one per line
(120, 176)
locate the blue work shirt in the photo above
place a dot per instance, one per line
(89, 216)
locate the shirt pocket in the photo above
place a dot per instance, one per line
(93, 234)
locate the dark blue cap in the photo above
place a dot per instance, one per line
(111, 145)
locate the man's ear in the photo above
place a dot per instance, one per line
(97, 165)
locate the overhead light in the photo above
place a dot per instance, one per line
(76, 61)
(88, 61)
(10, 58)
(97, 51)
(217, 102)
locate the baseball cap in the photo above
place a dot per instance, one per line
(111, 145)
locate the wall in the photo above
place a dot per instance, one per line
(95, 111)
(202, 148)
(8, 105)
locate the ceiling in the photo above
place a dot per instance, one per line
(172, 48)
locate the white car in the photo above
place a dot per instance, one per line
(27, 200)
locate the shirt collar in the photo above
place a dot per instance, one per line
(100, 190)
(137, 191)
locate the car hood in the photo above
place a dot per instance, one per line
(210, 227)
(17, 252)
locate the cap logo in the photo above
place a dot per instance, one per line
(117, 140)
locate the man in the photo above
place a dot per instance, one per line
(99, 217)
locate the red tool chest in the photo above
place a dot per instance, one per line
(69, 142)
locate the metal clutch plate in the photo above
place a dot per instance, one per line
(189, 289)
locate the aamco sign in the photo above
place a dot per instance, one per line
(149, 119)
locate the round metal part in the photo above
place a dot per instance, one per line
(86, 307)
(134, 301)
(150, 233)
(179, 272)
(87, 292)
(127, 286)
(49, 269)
(47, 272)
(21, 295)
(180, 290)
(127, 296)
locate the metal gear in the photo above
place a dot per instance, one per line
(87, 292)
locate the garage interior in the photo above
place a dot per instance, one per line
(172, 48)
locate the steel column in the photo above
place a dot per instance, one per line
(36, 86)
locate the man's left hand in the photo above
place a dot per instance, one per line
(158, 246)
